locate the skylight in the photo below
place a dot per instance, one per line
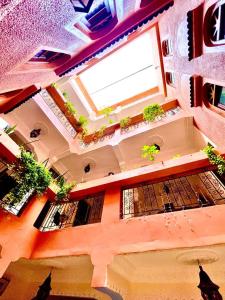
(127, 72)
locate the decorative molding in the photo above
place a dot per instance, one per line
(196, 82)
(195, 31)
(192, 257)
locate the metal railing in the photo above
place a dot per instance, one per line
(173, 194)
(74, 213)
(57, 112)
(168, 114)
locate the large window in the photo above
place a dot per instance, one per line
(127, 72)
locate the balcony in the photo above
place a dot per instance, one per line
(69, 214)
(48, 105)
(173, 194)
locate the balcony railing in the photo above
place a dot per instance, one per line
(68, 214)
(57, 112)
(137, 122)
(173, 194)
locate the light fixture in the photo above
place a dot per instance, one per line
(35, 133)
(209, 290)
(44, 289)
(82, 6)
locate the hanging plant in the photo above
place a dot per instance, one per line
(150, 151)
(152, 111)
(29, 175)
(125, 122)
(215, 159)
(64, 189)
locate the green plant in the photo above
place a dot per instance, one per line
(125, 122)
(150, 151)
(54, 84)
(65, 95)
(215, 159)
(83, 121)
(64, 189)
(101, 131)
(29, 175)
(152, 111)
(10, 129)
(107, 112)
(69, 106)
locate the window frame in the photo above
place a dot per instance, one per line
(207, 25)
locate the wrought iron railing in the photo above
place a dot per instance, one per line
(16, 208)
(74, 213)
(57, 112)
(168, 114)
(173, 194)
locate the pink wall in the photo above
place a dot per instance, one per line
(209, 65)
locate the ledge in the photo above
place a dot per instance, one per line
(19, 99)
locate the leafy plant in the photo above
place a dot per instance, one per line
(64, 189)
(125, 122)
(83, 121)
(65, 95)
(69, 106)
(152, 111)
(101, 131)
(29, 175)
(107, 112)
(54, 84)
(10, 129)
(215, 159)
(150, 151)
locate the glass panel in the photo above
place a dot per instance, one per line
(126, 72)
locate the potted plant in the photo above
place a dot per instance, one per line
(152, 112)
(150, 151)
(9, 129)
(125, 122)
(101, 131)
(107, 112)
(215, 159)
(82, 121)
(64, 189)
(70, 109)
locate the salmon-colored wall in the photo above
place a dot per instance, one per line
(17, 234)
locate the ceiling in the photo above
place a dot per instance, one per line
(152, 275)
(168, 274)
